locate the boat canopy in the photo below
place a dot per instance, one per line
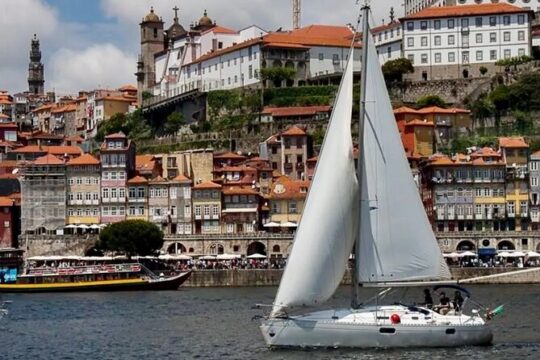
(455, 287)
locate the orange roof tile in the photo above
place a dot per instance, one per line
(84, 159)
(128, 87)
(405, 110)
(285, 45)
(55, 150)
(293, 131)
(118, 135)
(10, 125)
(440, 110)
(145, 162)
(418, 122)
(228, 155)
(6, 201)
(284, 188)
(44, 107)
(513, 142)
(207, 185)
(486, 152)
(465, 10)
(157, 179)
(323, 31)
(8, 163)
(137, 180)
(380, 28)
(181, 178)
(48, 159)
(218, 29)
(239, 190)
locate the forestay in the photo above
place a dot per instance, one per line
(328, 227)
(396, 239)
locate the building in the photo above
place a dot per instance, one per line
(43, 195)
(32, 152)
(456, 41)
(388, 39)
(117, 155)
(195, 164)
(240, 212)
(515, 152)
(286, 201)
(180, 205)
(534, 194)
(148, 166)
(525, 4)
(288, 152)
(137, 198)
(158, 203)
(36, 79)
(83, 190)
(295, 114)
(63, 120)
(7, 106)
(9, 221)
(207, 208)
(414, 6)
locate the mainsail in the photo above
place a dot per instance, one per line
(396, 239)
(328, 227)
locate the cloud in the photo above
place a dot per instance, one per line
(100, 65)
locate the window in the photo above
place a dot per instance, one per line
(507, 53)
(410, 42)
(250, 71)
(215, 210)
(492, 21)
(389, 52)
(173, 192)
(465, 24)
(506, 36)
(521, 52)
(451, 39)
(321, 56)
(521, 35)
(437, 57)
(197, 210)
(465, 57)
(187, 211)
(523, 207)
(506, 20)
(479, 22)
(423, 41)
(424, 59)
(451, 57)
(521, 19)
(492, 37)
(437, 40)
(105, 193)
(479, 38)
(411, 58)
(423, 25)
(451, 23)
(140, 192)
(493, 55)
(479, 55)
(335, 59)
(534, 181)
(437, 24)
(511, 208)
(533, 165)
(292, 207)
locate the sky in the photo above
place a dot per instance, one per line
(88, 44)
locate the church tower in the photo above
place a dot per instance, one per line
(152, 42)
(36, 81)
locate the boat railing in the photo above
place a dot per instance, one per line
(83, 270)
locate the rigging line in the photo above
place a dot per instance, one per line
(379, 146)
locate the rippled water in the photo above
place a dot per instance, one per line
(216, 324)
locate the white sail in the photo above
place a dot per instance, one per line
(396, 239)
(328, 227)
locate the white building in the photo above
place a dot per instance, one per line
(455, 41)
(388, 40)
(234, 59)
(414, 6)
(525, 4)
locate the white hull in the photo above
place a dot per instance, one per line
(372, 328)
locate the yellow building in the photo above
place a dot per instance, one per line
(207, 207)
(515, 153)
(287, 200)
(137, 198)
(83, 190)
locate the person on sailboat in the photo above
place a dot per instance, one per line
(458, 301)
(444, 304)
(428, 300)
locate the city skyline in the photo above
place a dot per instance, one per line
(95, 44)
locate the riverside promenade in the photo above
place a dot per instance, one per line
(271, 277)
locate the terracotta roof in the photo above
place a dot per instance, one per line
(227, 50)
(513, 142)
(137, 180)
(117, 98)
(323, 31)
(295, 110)
(44, 107)
(380, 28)
(128, 87)
(207, 185)
(218, 29)
(228, 155)
(284, 188)
(239, 190)
(405, 110)
(285, 45)
(465, 10)
(76, 138)
(181, 178)
(313, 159)
(8, 125)
(293, 131)
(8, 163)
(440, 110)
(486, 152)
(85, 159)
(6, 201)
(55, 150)
(4, 116)
(418, 122)
(158, 179)
(145, 162)
(118, 135)
(5, 102)
(48, 159)
(64, 108)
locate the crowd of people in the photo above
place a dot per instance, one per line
(234, 264)
(493, 262)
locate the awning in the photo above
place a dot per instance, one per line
(466, 253)
(451, 255)
(71, 226)
(94, 226)
(289, 224)
(227, 256)
(256, 256)
(239, 210)
(174, 257)
(533, 254)
(82, 226)
(207, 257)
(487, 252)
(272, 224)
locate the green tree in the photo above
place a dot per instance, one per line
(431, 100)
(394, 70)
(500, 98)
(482, 109)
(514, 61)
(523, 125)
(131, 237)
(147, 95)
(277, 74)
(174, 122)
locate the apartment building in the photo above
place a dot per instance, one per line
(206, 198)
(83, 190)
(181, 207)
(534, 194)
(456, 41)
(137, 198)
(388, 40)
(240, 212)
(286, 201)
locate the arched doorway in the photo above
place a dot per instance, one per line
(465, 245)
(216, 249)
(506, 245)
(276, 249)
(176, 248)
(256, 248)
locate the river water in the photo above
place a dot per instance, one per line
(216, 323)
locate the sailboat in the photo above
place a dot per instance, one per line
(378, 211)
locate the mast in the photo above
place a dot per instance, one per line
(359, 171)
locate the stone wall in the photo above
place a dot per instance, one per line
(46, 245)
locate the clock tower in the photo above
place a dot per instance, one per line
(36, 81)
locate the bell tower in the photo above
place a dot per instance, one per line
(36, 81)
(152, 42)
